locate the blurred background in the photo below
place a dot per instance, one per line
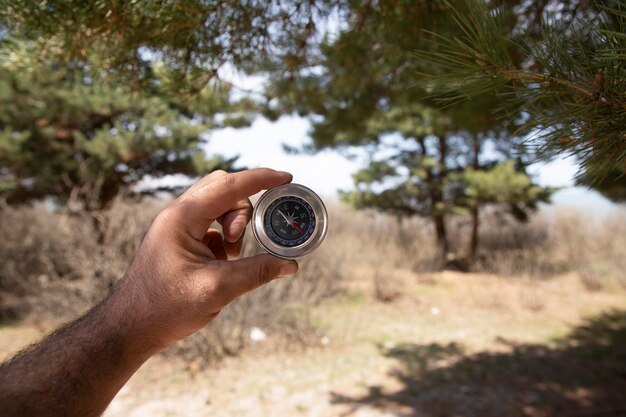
(471, 155)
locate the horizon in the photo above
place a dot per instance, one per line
(327, 171)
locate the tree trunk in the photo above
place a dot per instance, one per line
(442, 235)
(473, 249)
(474, 209)
(435, 180)
(440, 218)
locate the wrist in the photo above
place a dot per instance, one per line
(128, 318)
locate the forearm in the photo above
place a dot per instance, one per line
(77, 370)
(180, 279)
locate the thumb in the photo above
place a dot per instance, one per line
(244, 275)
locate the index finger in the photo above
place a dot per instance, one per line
(206, 203)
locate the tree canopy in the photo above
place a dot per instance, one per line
(68, 133)
(425, 159)
(192, 38)
(563, 73)
(98, 95)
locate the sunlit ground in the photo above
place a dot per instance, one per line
(448, 344)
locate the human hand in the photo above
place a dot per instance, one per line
(180, 278)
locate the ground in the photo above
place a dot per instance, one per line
(450, 344)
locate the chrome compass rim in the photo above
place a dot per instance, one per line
(319, 212)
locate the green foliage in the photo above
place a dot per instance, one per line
(362, 93)
(504, 184)
(565, 79)
(66, 133)
(192, 38)
(99, 95)
(612, 185)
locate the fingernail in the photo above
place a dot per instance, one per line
(287, 174)
(288, 269)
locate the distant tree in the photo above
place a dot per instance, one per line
(504, 184)
(96, 96)
(359, 91)
(69, 132)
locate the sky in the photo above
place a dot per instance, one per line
(260, 145)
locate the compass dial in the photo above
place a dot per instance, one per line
(289, 221)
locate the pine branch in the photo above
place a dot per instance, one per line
(570, 86)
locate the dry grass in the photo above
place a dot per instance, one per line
(55, 266)
(539, 249)
(407, 357)
(386, 333)
(53, 263)
(568, 242)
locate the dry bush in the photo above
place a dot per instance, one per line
(373, 238)
(386, 288)
(596, 250)
(54, 264)
(281, 309)
(565, 242)
(512, 248)
(376, 244)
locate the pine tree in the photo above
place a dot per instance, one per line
(98, 95)
(425, 158)
(562, 72)
(193, 39)
(505, 184)
(66, 133)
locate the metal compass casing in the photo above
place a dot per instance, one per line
(290, 221)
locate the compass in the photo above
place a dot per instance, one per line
(290, 221)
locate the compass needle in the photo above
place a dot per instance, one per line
(290, 221)
(285, 217)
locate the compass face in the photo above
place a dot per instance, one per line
(289, 221)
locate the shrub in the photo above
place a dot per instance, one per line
(55, 265)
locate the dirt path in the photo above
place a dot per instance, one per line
(452, 345)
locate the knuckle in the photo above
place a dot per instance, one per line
(217, 281)
(209, 178)
(265, 274)
(228, 180)
(167, 216)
